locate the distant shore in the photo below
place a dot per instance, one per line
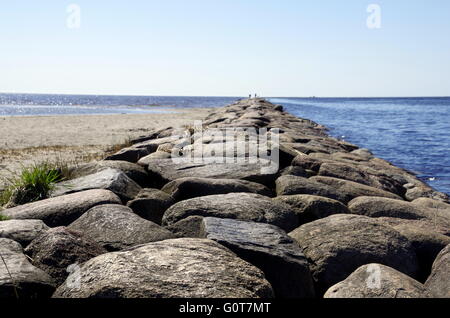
(77, 138)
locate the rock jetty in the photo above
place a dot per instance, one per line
(252, 202)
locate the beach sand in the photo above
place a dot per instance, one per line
(77, 139)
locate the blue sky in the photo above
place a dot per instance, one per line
(226, 48)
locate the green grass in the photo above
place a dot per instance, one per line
(3, 218)
(34, 183)
(5, 196)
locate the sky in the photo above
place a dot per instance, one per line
(226, 47)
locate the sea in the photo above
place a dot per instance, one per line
(412, 133)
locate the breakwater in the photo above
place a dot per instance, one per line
(251, 202)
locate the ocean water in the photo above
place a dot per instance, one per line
(412, 133)
(45, 105)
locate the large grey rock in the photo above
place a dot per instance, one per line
(297, 172)
(58, 248)
(180, 268)
(292, 185)
(420, 190)
(310, 207)
(22, 231)
(132, 170)
(188, 188)
(163, 171)
(20, 279)
(307, 163)
(426, 242)
(268, 248)
(353, 189)
(189, 227)
(438, 284)
(116, 227)
(140, 150)
(339, 244)
(432, 204)
(377, 281)
(63, 210)
(385, 207)
(151, 204)
(130, 154)
(11, 245)
(241, 206)
(424, 225)
(109, 179)
(361, 174)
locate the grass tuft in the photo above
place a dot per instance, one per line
(34, 183)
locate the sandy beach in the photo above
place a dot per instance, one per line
(28, 140)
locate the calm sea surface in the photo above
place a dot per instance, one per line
(413, 133)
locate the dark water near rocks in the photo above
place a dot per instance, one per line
(413, 133)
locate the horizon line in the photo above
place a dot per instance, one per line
(222, 96)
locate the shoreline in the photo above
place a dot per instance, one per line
(25, 140)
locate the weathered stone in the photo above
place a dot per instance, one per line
(228, 149)
(423, 225)
(438, 284)
(377, 281)
(268, 248)
(57, 249)
(353, 189)
(140, 150)
(22, 231)
(364, 153)
(241, 206)
(295, 171)
(431, 204)
(20, 279)
(310, 207)
(129, 154)
(427, 237)
(132, 170)
(385, 207)
(180, 268)
(11, 245)
(359, 155)
(310, 149)
(116, 227)
(188, 188)
(363, 175)
(159, 155)
(109, 179)
(339, 244)
(307, 162)
(424, 191)
(292, 185)
(163, 171)
(63, 210)
(151, 204)
(189, 227)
